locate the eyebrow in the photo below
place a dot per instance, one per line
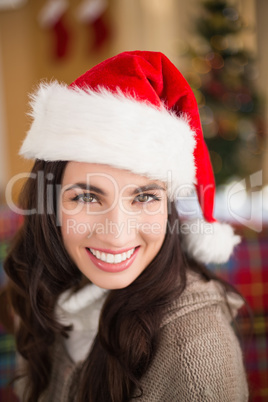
(84, 186)
(138, 190)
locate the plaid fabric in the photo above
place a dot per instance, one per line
(247, 270)
(7, 364)
(9, 223)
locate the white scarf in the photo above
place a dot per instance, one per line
(82, 311)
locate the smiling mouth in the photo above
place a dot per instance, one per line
(112, 258)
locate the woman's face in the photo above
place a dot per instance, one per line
(113, 222)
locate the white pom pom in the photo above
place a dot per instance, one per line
(208, 242)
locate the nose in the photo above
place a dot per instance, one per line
(120, 228)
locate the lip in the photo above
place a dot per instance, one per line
(113, 268)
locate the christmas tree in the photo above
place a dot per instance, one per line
(223, 77)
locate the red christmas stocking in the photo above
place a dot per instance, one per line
(91, 13)
(52, 18)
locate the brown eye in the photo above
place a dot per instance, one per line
(145, 198)
(142, 198)
(86, 198)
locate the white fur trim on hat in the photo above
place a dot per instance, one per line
(208, 242)
(110, 128)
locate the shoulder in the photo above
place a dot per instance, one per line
(199, 356)
(200, 294)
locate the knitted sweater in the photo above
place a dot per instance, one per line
(198, 360)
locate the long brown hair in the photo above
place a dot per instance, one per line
(39, 270)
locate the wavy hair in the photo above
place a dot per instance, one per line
(40, 269)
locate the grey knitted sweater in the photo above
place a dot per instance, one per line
(198, 360)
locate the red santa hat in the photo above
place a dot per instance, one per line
(134, 111)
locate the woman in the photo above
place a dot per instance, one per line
(112, 297)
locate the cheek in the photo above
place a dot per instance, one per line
(73, 229)
(153, 227)
(77, 224)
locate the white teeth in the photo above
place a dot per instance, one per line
(112, 258)
(117, 258)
